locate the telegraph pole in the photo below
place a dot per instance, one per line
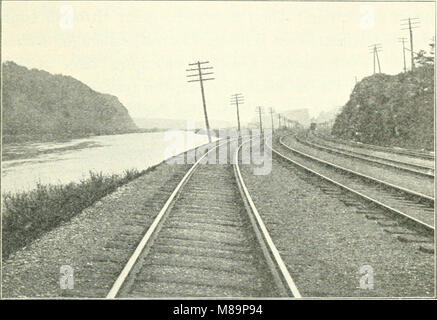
(200, 78)
(411, 44)
(377, 58)
(237, 99)
(260, 111)
(403, 52)
(410, 24)
(271, 115)
(374, 49)
(279, 121)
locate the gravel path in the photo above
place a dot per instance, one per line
(324, 242)
(95, 243)
(402, 179)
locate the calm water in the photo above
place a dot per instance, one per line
(63, 162)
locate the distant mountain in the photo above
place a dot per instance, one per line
(161, 123)
(328, 115)
(36, 103)
(300, 115)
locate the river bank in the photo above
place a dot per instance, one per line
(27, 215)
(95, 243)
(55, 163)
(8, 139)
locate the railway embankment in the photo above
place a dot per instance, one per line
(29, 214)
(94, 243)
(328, 240)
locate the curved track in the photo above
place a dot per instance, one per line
(208, 240)
(412, 208)
(415, 169)
(405, 152)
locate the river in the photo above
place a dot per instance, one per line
(24, 165)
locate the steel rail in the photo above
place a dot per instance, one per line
(357, 145)
(361, 175)
(270, 251)
(275, 262)
(406, 152)
(414, 221)
(153, 227)
(380, 160)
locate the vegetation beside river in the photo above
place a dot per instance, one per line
(27, 215)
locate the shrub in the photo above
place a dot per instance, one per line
(27, 215)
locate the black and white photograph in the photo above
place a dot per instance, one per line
(218, 150)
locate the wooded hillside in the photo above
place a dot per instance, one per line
(37, 103)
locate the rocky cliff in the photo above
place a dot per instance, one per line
(392, 110)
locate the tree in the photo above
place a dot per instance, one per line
(423, 59)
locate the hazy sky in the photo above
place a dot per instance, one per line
(285, 55)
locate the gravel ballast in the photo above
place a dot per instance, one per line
(324, 242)
(402, 179)
(378, 153)
(423, 213)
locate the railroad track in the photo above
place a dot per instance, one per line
(409, 208)
(208, 240)
(423, 171)
(411, 153)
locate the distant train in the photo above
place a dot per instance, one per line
(313, 126)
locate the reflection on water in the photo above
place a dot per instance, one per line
(32, 150)
(63, 162)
